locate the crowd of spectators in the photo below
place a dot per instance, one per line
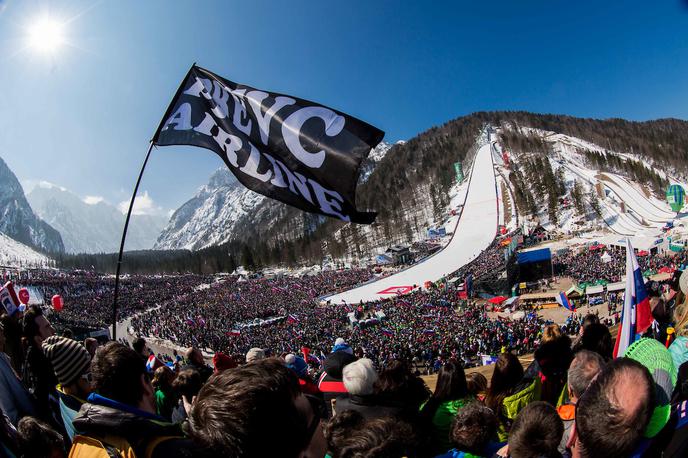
(573, 399)
(588, 266)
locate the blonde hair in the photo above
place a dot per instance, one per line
(550, 333)
(681, 318)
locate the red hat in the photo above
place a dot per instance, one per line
(223, 362)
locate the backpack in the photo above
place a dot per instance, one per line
(111, 447)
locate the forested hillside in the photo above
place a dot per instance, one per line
(409, 188)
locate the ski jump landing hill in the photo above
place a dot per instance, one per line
(475, 230)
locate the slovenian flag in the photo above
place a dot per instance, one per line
(563, 300)
(292, 318)
(153, 363)
(386, 332)
(636, 316)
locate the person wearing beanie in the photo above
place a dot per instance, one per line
(222, 362)
(330, 382)
(299, 366)
(341, 345)
(255, 354)
(72, 365)
(657, 359)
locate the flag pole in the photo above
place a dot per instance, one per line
(124, 237)
(133, 197)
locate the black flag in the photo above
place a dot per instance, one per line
(289, 149)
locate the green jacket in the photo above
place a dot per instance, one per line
(442, 421)
(513, 404)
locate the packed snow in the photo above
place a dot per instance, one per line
(475, 230)
(15, 254)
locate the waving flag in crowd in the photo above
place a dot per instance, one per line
(563, 300)
(636, 316)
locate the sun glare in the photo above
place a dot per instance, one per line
(46, 35)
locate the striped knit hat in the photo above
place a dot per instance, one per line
(69, 358)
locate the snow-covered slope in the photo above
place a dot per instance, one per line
(473, 231)
(626, 207)
(17, 219)
(214, 214)
(95, 228)
(15, 254)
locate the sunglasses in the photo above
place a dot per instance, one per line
(88, 377)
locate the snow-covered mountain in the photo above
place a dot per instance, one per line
(17, 219)
(92, 228)
(15, 254)
(213, 215)
(210, 216)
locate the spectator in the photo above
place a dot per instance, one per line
(341, 345)
(254, 354)
(120, 413)
(187, 384)
(596, 337)
(140, 347)
(472, 431)
(401, 391)
(300, 368)
(8, 437)
(72, 365)
(584, 367)
(91, 345)
(451, 395)
(165, 397)
(330, 382)
(510, 391)
(657, 359)
(536, 432)
(13, 335)
(337, 430)
(614, 411)
(359, 380)
(222, 362)
(39, 440)
(237, 411)
(477, 385)
(195, 360)
(553, 357)
(679, 347)
(15, 400)
(375, 438)
(37, 373)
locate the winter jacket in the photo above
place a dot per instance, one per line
(367, 406)
(567, 413)
(15, 401)
(679, 350)
(442, 421)
(69, 408)
(102, 418)
(527, 391)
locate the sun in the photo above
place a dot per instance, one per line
(46, 35)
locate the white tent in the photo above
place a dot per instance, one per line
(618, 286)
(596, 289)
(518, 315)
(605, 258)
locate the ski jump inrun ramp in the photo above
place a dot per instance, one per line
(475, 230)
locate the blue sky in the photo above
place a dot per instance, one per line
(82, 117)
